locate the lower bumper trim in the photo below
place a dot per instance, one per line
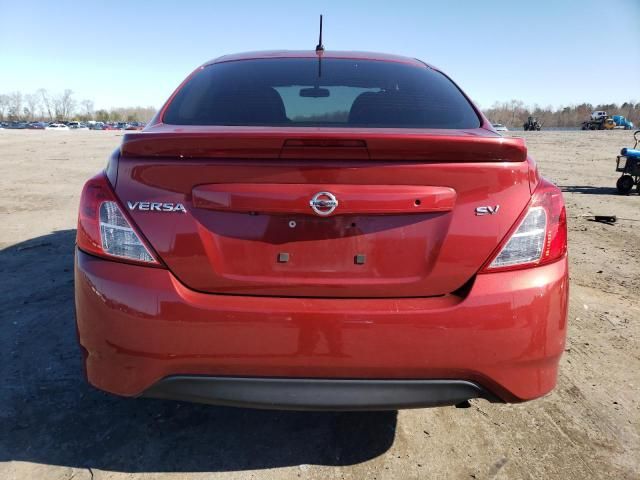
(316, 394)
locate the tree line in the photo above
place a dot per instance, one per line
(42, 105)
(514, 113)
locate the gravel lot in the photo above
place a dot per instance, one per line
(54, 426)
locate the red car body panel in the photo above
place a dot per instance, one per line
(293, 198)
(251, 282)
(139, 325)
(381, 144)
(344, 54)
(212, 251)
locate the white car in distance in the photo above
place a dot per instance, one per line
(56, 126)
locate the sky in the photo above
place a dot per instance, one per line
(546, 52)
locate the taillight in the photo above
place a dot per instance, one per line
(540, 235)
(105, 230)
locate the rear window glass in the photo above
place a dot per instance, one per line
(331, 92)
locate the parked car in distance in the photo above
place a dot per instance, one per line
(77, 126)
(17, 125)
(498, 127)
(37, 125)
(356, 240)
(56, 126)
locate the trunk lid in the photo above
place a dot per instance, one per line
(322, 213)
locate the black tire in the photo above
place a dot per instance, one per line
(625, 184)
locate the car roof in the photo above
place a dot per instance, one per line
(353, 55)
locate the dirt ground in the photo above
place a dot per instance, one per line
(54, 426)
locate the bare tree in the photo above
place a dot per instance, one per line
(33, 102)
(115, 115)
(15, 105)
(517, 110)
(4, 106)
(102, 116)
(59, 107)
(132, 114)
(68, 104)
(46, 102)
(87, 106)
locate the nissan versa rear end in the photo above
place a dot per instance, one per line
(333, 230)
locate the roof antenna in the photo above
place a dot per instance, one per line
(320, 47)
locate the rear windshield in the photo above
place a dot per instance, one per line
(328, 92)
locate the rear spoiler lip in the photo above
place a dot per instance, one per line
(384, 144)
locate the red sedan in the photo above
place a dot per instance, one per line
(331, 230)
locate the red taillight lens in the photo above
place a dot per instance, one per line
(540, 235)
(105, 230)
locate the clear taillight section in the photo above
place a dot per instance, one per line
(526, 243)
(117, 236)
(541, 235)
(105, 230)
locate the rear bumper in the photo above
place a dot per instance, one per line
(139, 325)
(316, 394)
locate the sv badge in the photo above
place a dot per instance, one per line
(487, 210)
